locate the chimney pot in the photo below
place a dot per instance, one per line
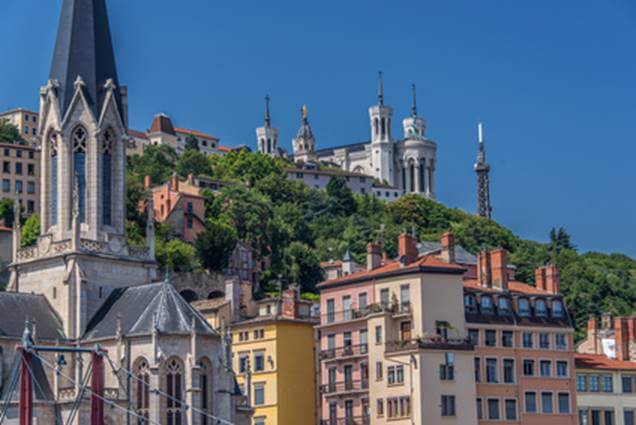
(552, 279)
(539, 278)
(621, 335)
(147, 182)
(499, 268)
(374, 256)
(174, 183)
(448, 247)
(407, 248)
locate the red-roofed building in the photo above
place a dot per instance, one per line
(606, 372)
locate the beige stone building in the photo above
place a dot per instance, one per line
(25, 120)
(21, 176)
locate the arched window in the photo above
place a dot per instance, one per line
(541, 309)
(107, 176)
(53, 177)
(524, 307)
(269, 145)
(504, 306)
(79, 167)
(421, 174)
(174, 389)
(206, 391)
(142, 391)
(486, 304)
(375, 126)
(557, 309)
(412, 176)
(383, 127)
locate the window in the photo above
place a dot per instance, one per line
(244, 360)
(142, 391)
(524, 307)
(395, 375)
(607, 383)
(347, 307)
(174, 388)
(469, 303)
(384, 297)
(79, 168)
(190, 216)
(447, 369)
(561, 342)
(380, 407)
(628, 417)
(31, 155)
(540, 308)
(545, 367)
(531, 402)
(441, 328)
(331, 311)
(331, 342)
(509, 371)
(491, 371)
(486, 304)
(18, 186)
(473, 336)
(398, 407)
(107, 178)
(593, 383)
(30, 169)
(581, 383)
(378, 334)
(493, 409)
(405, 296)
(6, 167)
(364, 341)
(18, 168)
(30, 207)
(504, 306)
(362, 301)
(528, 367)
(259, 361)
(511, 409)
(259, 421)
(562, 368)
(544, 341)
(527, 340)
(448, 405)
(31, 187)
(628, 383)
(206, 392)
(609, 417)
(491, 338)
(506, 338)
(557, 309)
(477, 363)
(378, 371)
(6, 185)
(480, 413)
(259, 394)
(564, 402)
(546, 402)
(7, 152)
(347, 340)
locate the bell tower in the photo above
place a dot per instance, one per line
(267, 136)
(381, 141)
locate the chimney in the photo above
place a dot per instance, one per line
(552, 279)
(174, 182)
(448, 247)
(591, 332)
(407, 248)
(499, 268)
(483, 269)
(290, 299)
(374, 256)
(147, 182)
(539, 278)
(621, 335)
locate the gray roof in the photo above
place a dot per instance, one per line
(138, 309)
(347, 257)
(16, 308)
(354, 147)
(461, 255)
(84, 48)
(42, 388)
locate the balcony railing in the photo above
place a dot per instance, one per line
(346, 351)
(360, 313)
(353, 420)
(430, 343)
(345, 387)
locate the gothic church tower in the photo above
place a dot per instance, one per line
(382, 155)
(267, 136)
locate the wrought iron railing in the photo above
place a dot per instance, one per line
(345, 386)
(346, 351)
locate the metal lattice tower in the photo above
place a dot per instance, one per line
(483, 179)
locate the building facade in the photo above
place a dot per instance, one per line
(407, 165)
(21, 176)
(606, 372)
(26, 121)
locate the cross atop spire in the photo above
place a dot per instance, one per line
(268, 118)
(380, 89)
(414, 107)
(84, 50)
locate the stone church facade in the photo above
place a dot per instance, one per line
(82, 285)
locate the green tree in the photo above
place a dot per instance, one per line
(341, 197)
(9, 133)
(30, 230)
(191, 143)
(302, 266)
(216, 244)
(158, 162)
(247, 167)
(6, 212)
(176, 255)
(559, 240)
(195, 163)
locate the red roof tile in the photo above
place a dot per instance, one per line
(195, 133)
(224, 149)
(138, 134)
(513, 286)
(162, 124)
(599, 361)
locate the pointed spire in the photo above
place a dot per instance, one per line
(84, 49)
(268, 118)
(304, 115)
(380, 89)
(414, 107)
(484, 209)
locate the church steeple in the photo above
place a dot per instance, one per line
(267, 136)
(483, 179)
(84, 49)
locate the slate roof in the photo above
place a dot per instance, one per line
(461, 255)
(138, 308)
(84, 48)
(16, 308)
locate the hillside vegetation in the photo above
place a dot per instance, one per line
(297, 227)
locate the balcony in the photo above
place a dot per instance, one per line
(395, 309)
(352, 420)
(345, 387)
(430, 343)
(344, 352)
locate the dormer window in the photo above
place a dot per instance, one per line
(486, 304)
(524, 307)
(541, 309)
(557, 309)
(470, 305)
(504, 306)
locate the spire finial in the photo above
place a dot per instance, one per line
(268, 118)
(414, 107)
(380, 88)
(304, 112)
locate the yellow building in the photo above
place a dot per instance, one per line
(274, 358)
(26, 121)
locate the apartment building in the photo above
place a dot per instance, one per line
(447, 336)
(393, 343)
(21, 176)
(606, 372)
(25, 120)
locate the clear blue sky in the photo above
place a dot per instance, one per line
(553, 81)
